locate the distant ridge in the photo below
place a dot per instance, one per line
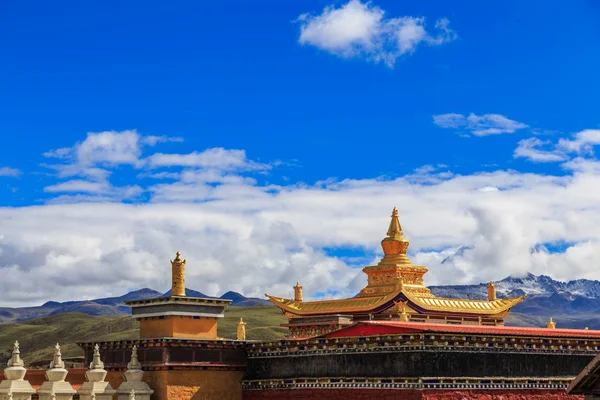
(572, 304)
(110, 306)
(239, 300)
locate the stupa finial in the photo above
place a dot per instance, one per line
(395, 244)
(395, 230)
(96, 361)
(134, 364)
(15, 359)
(57, 361)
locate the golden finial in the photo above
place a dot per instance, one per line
(178, 276)
(586, 328)
(395, 244)
(491, 288)
(395, 230)
(298, 292)
(177, 257)
(241, 330)
(551, 324)
(400, 308)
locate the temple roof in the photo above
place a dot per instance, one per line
(381, 328)
(357, 304)
(394, 279)
(369, 304)
(463, 305)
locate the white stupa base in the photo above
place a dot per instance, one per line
(100, 390)
(20, 390)
(141, 389)
(63, 390)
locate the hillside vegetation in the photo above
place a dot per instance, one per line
(37, 337)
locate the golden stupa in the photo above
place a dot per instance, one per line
(395, 290)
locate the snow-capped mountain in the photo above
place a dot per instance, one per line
(575, 304)
(529, 284)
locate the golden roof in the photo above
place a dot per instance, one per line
(463, 305)
(366, 304)
(395, 278)
(355, 305)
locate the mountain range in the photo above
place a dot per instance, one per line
(109, 305)
(572, 304)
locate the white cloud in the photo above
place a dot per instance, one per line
(105, 190)
(153, 140)
(215, 158)
(94, 159)
(7, 171)
(359, 29)
(239, 235)
(583, 142)
(484, 125)
(531, 149)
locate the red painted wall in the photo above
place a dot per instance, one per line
(387, 394)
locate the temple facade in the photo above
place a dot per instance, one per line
(395, 291)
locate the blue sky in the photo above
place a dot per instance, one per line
(347, 93)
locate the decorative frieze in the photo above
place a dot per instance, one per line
(426, 383)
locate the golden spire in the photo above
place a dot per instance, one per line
(178, 276)
(551, 324)
(395, 230)
(395, 244)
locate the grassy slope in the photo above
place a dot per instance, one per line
(37, 337)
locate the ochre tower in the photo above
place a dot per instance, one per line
(178, 316)
(178, 276)
(179, 347)
(395, 291)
